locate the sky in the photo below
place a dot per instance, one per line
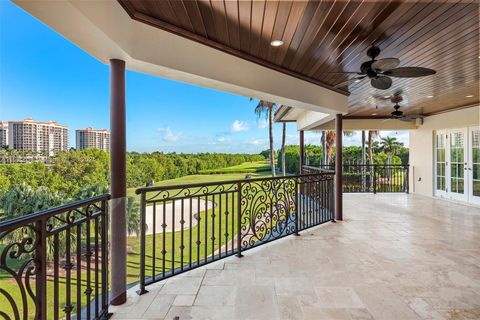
(46, 77)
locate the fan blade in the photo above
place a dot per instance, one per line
(415, 116)
(346, 83)
(405, 119)
(344, 72)
(409, 72)
(385, 64)
(387, 120)
(381, 82)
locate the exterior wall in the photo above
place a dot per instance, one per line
(422, 143)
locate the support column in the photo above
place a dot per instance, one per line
(118, 183)
(302, 151)
(338, 168)
(364, 162)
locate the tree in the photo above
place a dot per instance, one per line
(391, 146)
(23, 199)
(372, 135)
(133, 216)
(268, 108)
(330, 141)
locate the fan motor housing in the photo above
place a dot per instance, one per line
(366, 68)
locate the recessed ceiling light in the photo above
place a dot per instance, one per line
(429, 96)
(374, 114)
(276, 43)
(469, 96)
(386, 97)
(357, 80)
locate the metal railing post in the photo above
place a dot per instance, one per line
(142, 244)
(41, 264)
(239, 220)
(407, 180)
(374, 179)
(104, 247)
(297, 204)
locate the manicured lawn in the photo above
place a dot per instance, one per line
(202, 232)
(246, 167)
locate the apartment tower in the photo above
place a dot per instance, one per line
(41, 137)
(90, 138)
(3, 134)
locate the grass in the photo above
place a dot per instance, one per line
(247, 167)
(197, 232)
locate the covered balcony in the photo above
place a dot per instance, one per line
(335, 241)
(395, 256)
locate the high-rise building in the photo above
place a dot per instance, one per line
(41, 137)
(3, 134)
(90, 138)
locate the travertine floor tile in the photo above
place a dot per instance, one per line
(395, 256)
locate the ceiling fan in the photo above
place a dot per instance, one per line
(398, 115)
(379, 71)
(396, 99)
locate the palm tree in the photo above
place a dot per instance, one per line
(372, 135)
(330, 141)
(133, 216)
(391, 146)
(324, 147)
(268, 108)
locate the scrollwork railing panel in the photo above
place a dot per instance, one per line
(50, 262)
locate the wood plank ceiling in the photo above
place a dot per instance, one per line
(321, 37)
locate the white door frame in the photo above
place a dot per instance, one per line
(471, 197)
(461, 169)
(439, 192)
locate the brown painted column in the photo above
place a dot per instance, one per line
(338, 168)
(302, 151)
(118, 183)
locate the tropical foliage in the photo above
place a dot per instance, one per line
(75, 175)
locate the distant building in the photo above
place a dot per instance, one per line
(90, 138)
(3, 134)
(40, 137)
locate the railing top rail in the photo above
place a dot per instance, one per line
(359, 165)
(25, 219)
(208, 184)
(320, 168)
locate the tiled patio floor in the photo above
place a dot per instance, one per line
(394, 257)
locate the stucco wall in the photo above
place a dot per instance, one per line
(421, 145)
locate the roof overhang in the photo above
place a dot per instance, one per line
(369, 124)
(105, 30)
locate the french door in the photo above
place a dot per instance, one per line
(441, 163)
(457, 164)
(474, 165)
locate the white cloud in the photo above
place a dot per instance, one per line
(238, 126)
(257, 142)
(262, 124)
(169, 136)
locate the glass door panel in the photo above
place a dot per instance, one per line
(458, 162)
(474, 165)
(440, 163)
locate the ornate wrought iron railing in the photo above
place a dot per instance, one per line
(55, 263)
(187, 226)
(371, 178)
